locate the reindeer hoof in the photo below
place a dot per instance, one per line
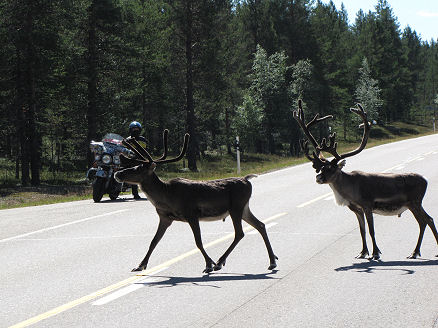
(363, 255)
(375, 257)
(272, 266)
(208, 270)
(209, 266)
(219, 265)
(140, 268)
(414, 255)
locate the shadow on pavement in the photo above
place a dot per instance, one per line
(407, 266)
(206, 280)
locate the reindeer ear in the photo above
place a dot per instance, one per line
(342, 163)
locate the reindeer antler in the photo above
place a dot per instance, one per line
(331, 146)
(133, 144)
(299, 116)
(165, 135)
(328, 145)
(182, 153)
(129, 143)
(366, 131)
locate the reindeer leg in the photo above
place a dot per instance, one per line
(370, 221)
(238, 235)
(416, 253)
(162, 227)
(423, 220)
(209, 263)
(360, 218)
(260, 227)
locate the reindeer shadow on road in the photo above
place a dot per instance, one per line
(405, 266)
(205, 280)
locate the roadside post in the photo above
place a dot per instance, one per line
(434, 108)
(238, 154)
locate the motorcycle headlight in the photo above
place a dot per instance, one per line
(97, 157)
(116, 160)
(106, 159)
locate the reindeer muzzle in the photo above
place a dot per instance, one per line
(320, 178)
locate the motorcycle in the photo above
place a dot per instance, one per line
(107, 161)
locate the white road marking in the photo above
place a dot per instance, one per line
(60, 226)
(269, 225)
(126, 282)
(128, 289)
(314, 200)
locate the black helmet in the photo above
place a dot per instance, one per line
(134, 129)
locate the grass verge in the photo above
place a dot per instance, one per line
(71, 186)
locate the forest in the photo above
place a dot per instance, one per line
(74, 70)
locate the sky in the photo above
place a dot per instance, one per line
(420, 15)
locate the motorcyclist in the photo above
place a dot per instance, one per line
(134, 132)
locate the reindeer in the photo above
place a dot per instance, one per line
(191, 201)
(366, 193)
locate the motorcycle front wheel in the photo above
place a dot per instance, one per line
(98, 189)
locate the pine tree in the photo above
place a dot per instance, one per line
(266, 99)
(368, 92)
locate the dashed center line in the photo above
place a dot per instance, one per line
(266, 227)
(129, 281)
(128, 289)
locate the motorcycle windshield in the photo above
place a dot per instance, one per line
(113, 138)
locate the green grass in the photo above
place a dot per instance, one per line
(71, 186)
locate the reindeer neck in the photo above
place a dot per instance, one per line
(341, 188)
(153, 186)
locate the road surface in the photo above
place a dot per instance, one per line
(68, 265)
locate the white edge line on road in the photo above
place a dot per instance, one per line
(128, 289)
(128, 281)
(61, 225)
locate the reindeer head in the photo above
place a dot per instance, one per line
(329, 169)
(144, 166)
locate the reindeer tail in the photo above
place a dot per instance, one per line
(250, 176)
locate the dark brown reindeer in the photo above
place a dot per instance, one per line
(366, 193)
(192, 201)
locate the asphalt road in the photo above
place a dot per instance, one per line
(68, 265)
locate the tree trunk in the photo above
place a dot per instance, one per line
(19, 121)
(228, 129)
(146, 112)
(92, 80)
(192, 150)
